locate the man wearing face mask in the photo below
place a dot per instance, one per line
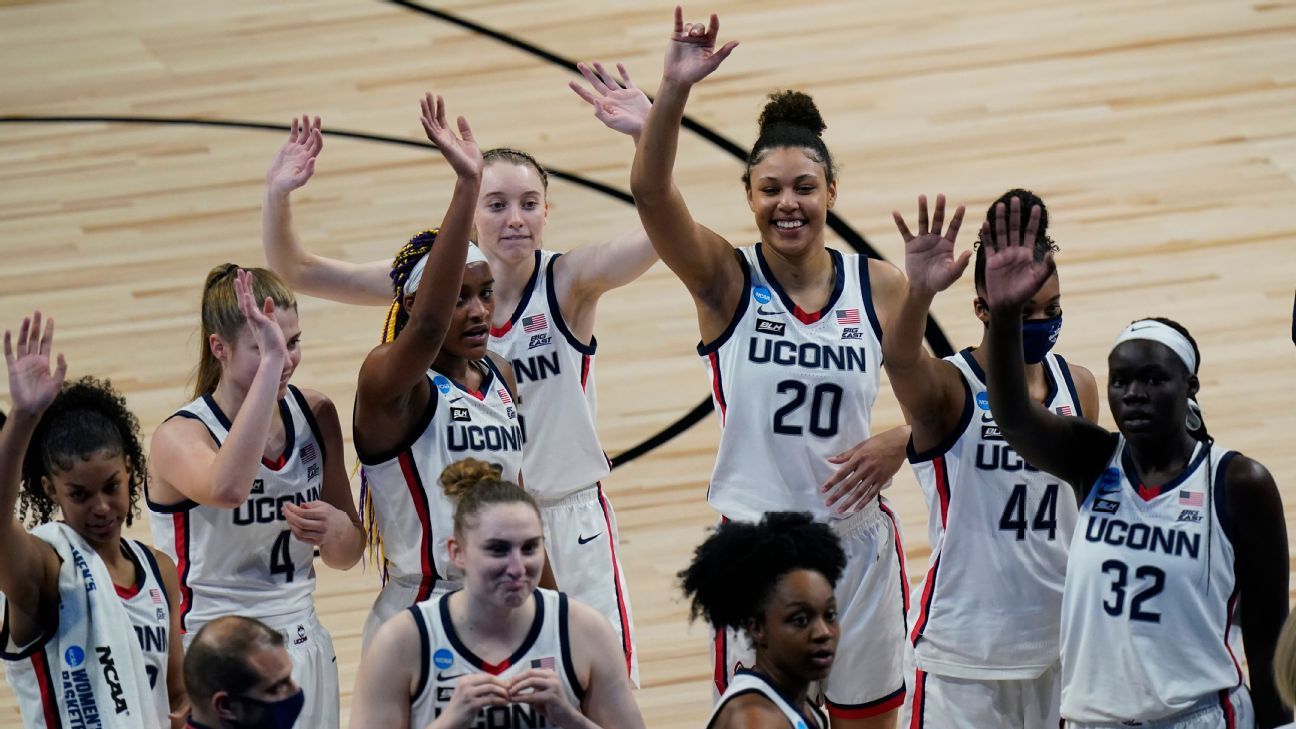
(984, 634)
(240, 677)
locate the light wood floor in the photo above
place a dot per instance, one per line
(1161, 134)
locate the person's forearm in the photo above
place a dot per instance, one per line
(654, 162)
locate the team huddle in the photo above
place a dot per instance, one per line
(1078, 577)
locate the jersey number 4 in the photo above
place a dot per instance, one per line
(1013, 518)
(825, 408)
(281, 558)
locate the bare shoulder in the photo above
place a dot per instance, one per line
(319, 403)
(888, 284)
(167, 567)
(1250, 481)
(750, 710)
(180, 432)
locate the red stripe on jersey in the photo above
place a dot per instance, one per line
(717, 387)
(498, 332)
(721, 661)
(585, 368)
(919, 699)
(49, 698)
(1226, 706)
(1228, 623)
(419, 498)
(806, 317)
(495, 669)
(627, 645)
(180, 528)
(900, 556)
(890, 702)
(942, 489)
(929, 591)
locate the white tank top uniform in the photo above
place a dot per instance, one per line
(245, 560)
(415, 518)
(1149, 632)
(791, 389)
(749, 682)
(990, 605)
(563, 460)
(72, 675)
(445, 659)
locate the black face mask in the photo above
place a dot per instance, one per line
(281, 714)
(1038, 337)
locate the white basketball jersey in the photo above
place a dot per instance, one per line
(245, 560)
(33, 670)
(1148, 626)
(414, 516)
(555, 377)
(446, 659)
(990, 605)
(750, 682)
(791, 389)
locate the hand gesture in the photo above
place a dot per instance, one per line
(460, 151)
(618, 103)
(32, 386)
(295, 162)
(472, 693)
(261, 320)
(865, 470)
(1013, 272)
(692, 55)
(317, 522)
(541, 688)
(929, 256)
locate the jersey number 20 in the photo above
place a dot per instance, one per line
(825, 408)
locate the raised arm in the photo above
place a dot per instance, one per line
(306, 272)
(701, 259)
(1071, 448)
(185, 463)
(393, 370)
(29, 570)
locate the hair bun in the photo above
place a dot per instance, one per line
(793, 108)
(460, 477)
(218, 273)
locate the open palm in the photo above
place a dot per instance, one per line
(692, 54)
(1013, 272)
(929, 256)
(294, 164)
(460, 151)
(617, 102)
(32, 385)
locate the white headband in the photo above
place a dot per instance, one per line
(1155, 331)
(416, 274)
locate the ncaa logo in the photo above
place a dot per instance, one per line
(762, 295)
(443, 658)
(983, 400)
(74, 656)
(1111, 475)
(442, 384)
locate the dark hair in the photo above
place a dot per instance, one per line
(517, 157)
(735, 570)
(87, 417)
(473, 485)
(790, 119)
(402, 264)
(217, 659)
(1200, 433)
(1043, 243)
(221, 314)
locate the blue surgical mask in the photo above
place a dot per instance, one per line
(1038, 337)
(281, 714)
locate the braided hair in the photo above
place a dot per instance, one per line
(402, 264)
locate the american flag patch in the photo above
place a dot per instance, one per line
(308, 452)
(155, 595)
(533, 324)
(504, 396)
(546, 662)
(1064, 410)
(848, 316)
(1191, 498)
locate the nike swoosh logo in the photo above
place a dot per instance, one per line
(1109, 491)
(584, 540)
(443, 677)
(761, 310)
(457, 399)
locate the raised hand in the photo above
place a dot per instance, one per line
(261, 319)
(294, 164)
(692, 54)
(929, 256)
(460, 151)
(1013, 272)
(32, 386)
(618, 103)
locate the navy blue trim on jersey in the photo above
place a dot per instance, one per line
(1065, 369)
(564, 642)
(953, 436)
(152, 564)
(812, 723)
(448, 625)
(310, 421)
(415, 433)
(1220, 494)
(866, 292)
(744, 301)
(526, 293)
(731, 697)
(493, 373)
(193, 416)
(290, 429)
(181, 505)
(425, 651)
(839, 281)
(556, 310)
(1132, 475)
(1049, 379)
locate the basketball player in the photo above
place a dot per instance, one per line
(1179, 541)
(985, 631)
(499, 652)
(240, 676)
(543, 323)
(73, 647)
(790, 330)
(773, 580)
(248, 480)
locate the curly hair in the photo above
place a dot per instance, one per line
(735, 570)
(790, 119)
(86, 418)
(1043, 243)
